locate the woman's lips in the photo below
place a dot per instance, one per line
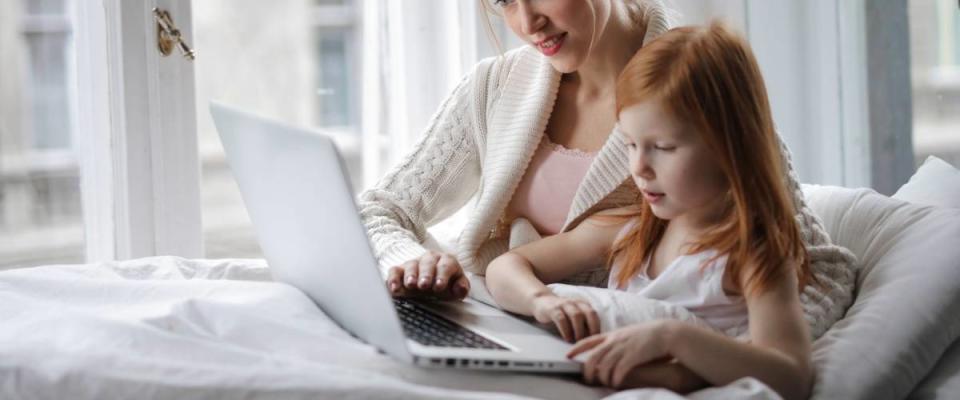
(551, 45)
(652, 197)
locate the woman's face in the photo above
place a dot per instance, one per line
(563, 30)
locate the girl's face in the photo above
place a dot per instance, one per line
(563, 30)
(672, 165)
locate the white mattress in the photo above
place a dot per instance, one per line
(165, 327)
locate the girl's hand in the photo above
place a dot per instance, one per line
(434, 275)
(617, 352)
(574, 318)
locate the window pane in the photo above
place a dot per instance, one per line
(35, 7)
(40, 203)
(334, 91)
(48, 81)
(292, 60)
(935, 66)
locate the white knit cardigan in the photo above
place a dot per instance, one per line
(478, 146)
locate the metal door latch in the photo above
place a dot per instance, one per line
(168, 35)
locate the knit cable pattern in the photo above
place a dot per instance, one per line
(833, 267)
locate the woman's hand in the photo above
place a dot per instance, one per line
(574, 318)
(434, 275)
(618, 352)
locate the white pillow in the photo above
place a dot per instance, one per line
(907, 306)
(935, 183)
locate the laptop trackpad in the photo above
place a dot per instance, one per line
(474, 314)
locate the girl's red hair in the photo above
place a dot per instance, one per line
(708, 78)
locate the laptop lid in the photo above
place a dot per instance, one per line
(294, 185)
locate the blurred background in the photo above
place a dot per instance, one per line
(322, 63)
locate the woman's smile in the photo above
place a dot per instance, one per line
(551, 45)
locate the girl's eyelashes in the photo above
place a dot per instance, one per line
(665, 147)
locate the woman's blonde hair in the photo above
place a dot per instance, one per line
(709, 78)
(637, 10)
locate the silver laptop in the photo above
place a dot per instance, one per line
(296, 190)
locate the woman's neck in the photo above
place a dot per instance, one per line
(597, 77)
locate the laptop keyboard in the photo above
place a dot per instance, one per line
(430, 329)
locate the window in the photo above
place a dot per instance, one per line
(40, 202)
(371, 74)
(295, 61)
(935, 78)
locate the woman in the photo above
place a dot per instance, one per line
(528, 132)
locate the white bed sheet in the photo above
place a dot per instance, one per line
(165, 327)
(944, 381)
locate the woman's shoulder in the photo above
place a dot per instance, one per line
(523, 55)
(524, 60)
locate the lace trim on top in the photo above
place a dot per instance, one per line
(559, 148)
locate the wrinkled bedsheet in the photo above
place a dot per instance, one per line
(166, 327)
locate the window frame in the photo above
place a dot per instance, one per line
(139, 158)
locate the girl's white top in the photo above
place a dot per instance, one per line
(694, 282)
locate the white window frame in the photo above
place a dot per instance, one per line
(139, 161)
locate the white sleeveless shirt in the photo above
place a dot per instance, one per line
(690, 283)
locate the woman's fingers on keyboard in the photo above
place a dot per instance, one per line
(427, 270)
(410, 272)
(432, 275)
(395, 280)
(460, 287)
(447, 270)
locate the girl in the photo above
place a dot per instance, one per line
(715, 232)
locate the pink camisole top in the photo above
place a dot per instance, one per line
(546, 191)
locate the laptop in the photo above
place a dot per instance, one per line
(297, 193)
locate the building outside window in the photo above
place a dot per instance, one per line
(935, 77)
(40, 202)
(293, 60)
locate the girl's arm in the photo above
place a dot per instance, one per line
(518, 277)
(666, 374)
(779, 352)
(778, 355)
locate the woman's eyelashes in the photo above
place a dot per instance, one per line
(502, 3)
(658, 146)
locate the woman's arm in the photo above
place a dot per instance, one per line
(518, 277)
(436, 179)
(433, 181)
